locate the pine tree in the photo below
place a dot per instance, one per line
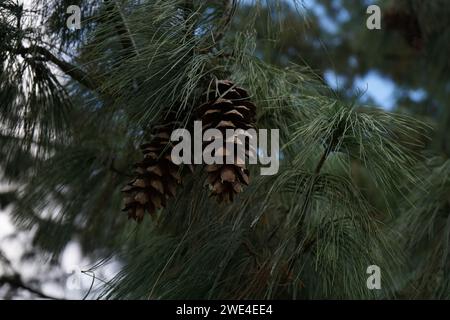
(71, 135)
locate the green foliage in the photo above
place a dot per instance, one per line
(34, 103)
(308, 232)
(425, 227)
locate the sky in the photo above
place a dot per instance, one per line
(375, 86)
(379, 88)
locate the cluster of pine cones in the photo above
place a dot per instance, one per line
(156, 177)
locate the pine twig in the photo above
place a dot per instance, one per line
(226, 20)
(123, 30)
(307, 201)
(113, 168)
(230, 6)
(15, 281)
(73, 71)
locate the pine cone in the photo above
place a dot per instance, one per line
(228, 107)
(156, 177)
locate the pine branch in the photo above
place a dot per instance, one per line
(112, 167)
(71, 70)
(16, 282)
(307, 201)
(230, 6)
(123, 30)
(319, 167)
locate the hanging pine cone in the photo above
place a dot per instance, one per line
(156, 177)
(228, 107)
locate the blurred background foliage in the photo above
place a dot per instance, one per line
(357, 186)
